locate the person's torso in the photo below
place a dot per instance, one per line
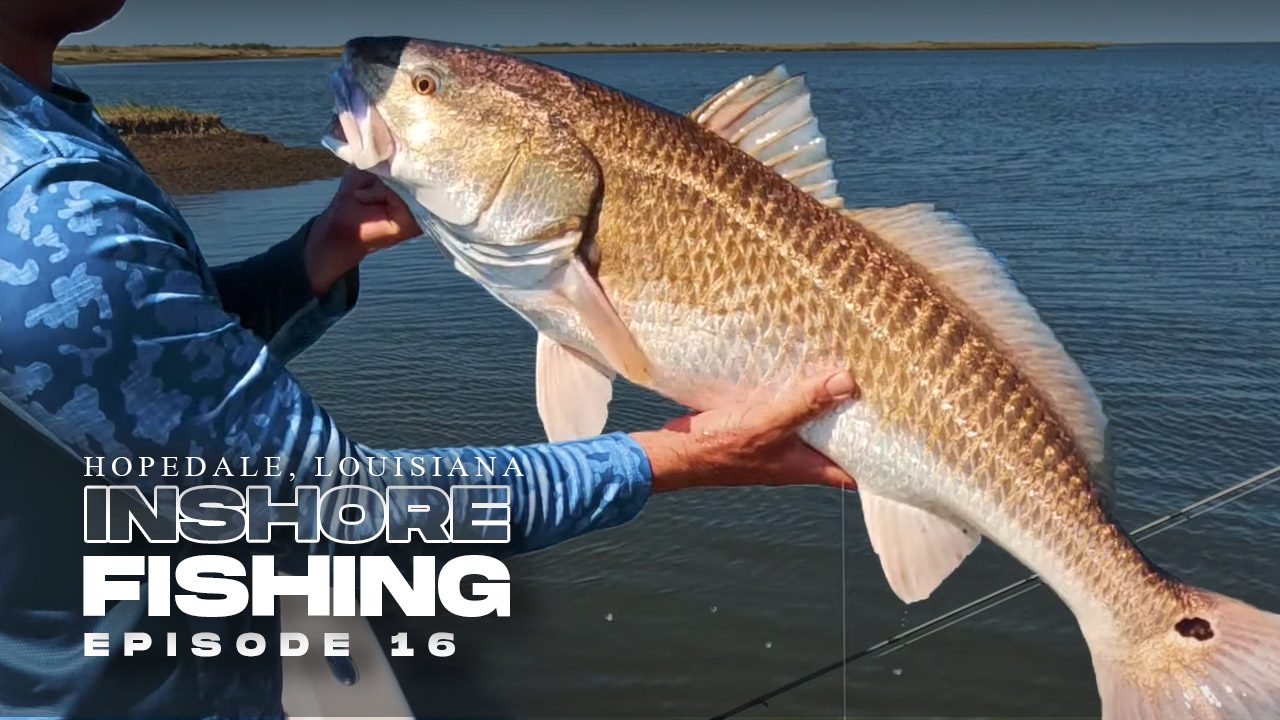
(43, 665)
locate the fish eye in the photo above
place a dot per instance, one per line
(424, 84)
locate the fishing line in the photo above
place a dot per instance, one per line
(844, 614)
(1006, 593)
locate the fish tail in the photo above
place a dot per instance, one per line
(1218, 660)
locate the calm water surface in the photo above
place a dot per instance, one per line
(1133, 194)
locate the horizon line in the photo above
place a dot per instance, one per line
(590, 43)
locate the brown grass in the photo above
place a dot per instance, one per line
(130, 119)
(82, 54)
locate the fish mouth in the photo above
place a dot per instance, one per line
(357, 134)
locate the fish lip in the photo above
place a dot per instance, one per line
(357, 133)
(337, 138)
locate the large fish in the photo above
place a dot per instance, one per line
(708, 256)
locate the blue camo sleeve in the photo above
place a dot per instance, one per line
(271, 295)
(112, 337)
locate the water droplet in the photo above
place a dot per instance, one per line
(897, 671)
(608, 617)
(768, 644)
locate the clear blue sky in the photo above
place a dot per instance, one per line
(327, 22)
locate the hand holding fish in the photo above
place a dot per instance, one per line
(362, 218)
(751, 443)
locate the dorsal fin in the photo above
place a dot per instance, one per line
(768, 117)
(946, 249)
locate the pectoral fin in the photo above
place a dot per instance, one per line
(611, 335)
(917, 549)
(573, 392)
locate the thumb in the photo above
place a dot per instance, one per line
(808, 400)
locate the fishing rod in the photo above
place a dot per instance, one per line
(1008, 592)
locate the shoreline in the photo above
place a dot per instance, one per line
(190, 153)
(111, 54)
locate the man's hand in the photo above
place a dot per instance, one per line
(749, 444)
(363, 217)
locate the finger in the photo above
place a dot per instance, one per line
(810, 467)
(397, 210)
(828, 474)
(683, 424)
(808, 400)
(397, 213)
(360, 179)
(375, 231)
(352, 180)
(374, 194)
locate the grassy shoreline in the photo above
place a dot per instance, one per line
(85, 54)
(129, 120)
(190, 152)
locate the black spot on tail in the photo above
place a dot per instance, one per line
(1194, 627)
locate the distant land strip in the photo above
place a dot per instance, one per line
(794, 47)
(83, 54)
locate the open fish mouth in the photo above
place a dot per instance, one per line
(357, 134)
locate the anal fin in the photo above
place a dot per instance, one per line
(573, 392)
(917, 549)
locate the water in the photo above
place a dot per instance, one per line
(1132, 193)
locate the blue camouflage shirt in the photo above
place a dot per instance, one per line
(117, 339)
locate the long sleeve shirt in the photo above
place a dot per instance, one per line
(118, 340)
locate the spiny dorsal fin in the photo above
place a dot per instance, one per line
(946, 249)
(769, 118)
(917, 549)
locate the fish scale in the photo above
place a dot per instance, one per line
(864, 307)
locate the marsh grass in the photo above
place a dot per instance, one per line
(131, 119)
(81, 54)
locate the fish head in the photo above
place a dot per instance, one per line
(481, 146)
(437, 123)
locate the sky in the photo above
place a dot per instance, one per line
(330, 22)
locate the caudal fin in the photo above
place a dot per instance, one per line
(1219, 661)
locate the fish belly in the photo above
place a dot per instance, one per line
(708, 361)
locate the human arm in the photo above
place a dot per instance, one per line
(291, 293)
(112, 339)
